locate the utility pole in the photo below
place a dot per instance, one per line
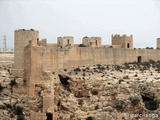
(4, 44)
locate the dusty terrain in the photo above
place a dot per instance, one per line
(6, 59)
(98, 92)
(109, 92)
(13, 98)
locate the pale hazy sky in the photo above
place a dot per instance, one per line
(81, 18)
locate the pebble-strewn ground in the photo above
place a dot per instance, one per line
(109, 92)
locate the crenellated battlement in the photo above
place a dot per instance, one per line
(118, 36)
(19, 30)
(66, 41)
(92, 41)
(22, 38)
(123, 41)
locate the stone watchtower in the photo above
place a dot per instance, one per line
(91, 41)
(158, 43)
(22, 38)
(123, 41)
(66, 41)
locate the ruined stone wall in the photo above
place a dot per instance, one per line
(22, 37)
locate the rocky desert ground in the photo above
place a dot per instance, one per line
(102, 92)
(99, 92)
(13, 98)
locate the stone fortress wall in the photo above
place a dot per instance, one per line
(38, 57)
(65, 54)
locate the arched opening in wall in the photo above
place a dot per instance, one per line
(139, 59)
(49, 116)
(96, 43)
(38, 41)
(128, 45)
(68, 42)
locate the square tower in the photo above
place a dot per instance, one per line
(92, 41)
(66, 41)
(21, 40)
(123, 41)
(42, 42)
(158, 43)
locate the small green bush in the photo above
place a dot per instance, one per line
(134, 100)
(117, 67)
(2, 107)
(152, 104)
(13, 83)
(94, 92)
(120, 81)
(20, 117)
(19, 110)
(8, 106)
(120, 106)
(126, 77)
(135, 75)
(80, 102)
(77, 69)
(96, 107)
(126, 66)
(90, 118)
(11, 115)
